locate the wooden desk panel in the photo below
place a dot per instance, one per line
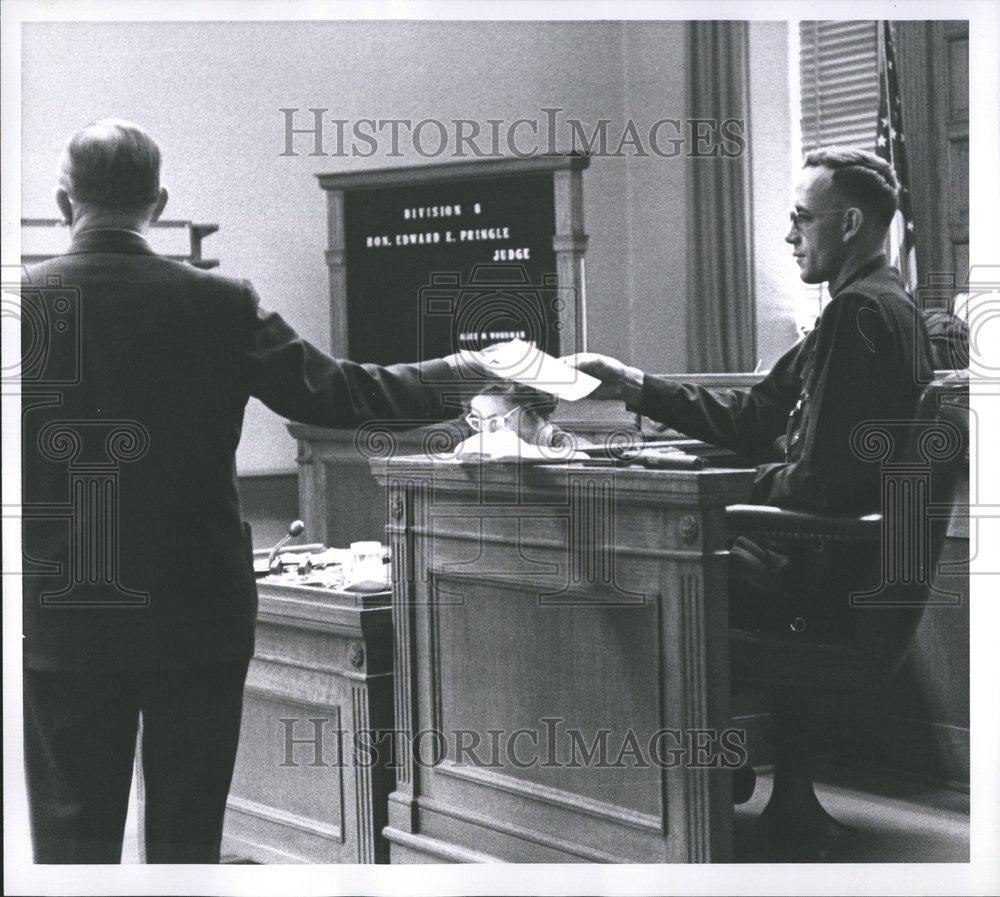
(588, 596)
(322, 665)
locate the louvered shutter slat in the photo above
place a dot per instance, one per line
(838, 83)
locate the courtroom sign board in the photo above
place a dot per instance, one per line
(436, 259)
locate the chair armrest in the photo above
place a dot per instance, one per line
(771, 521)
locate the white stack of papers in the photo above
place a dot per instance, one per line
(506, 445)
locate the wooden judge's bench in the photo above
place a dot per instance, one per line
(542, 614)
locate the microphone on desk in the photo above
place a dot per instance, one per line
(295, 528)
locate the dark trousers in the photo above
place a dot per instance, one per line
(802, 593)
(80, 733)
(758, 583)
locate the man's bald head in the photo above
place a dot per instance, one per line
(112, 165)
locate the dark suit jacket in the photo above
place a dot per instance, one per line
(867, 359)
(137, 372)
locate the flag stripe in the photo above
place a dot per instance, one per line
(890, 144)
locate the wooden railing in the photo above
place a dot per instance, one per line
(196, 233)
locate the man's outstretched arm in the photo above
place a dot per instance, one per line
(298, 381)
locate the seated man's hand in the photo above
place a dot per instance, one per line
(618, 380)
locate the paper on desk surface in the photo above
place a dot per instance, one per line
(525, 364)
(505, 445)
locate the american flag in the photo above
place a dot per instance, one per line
(890, 144)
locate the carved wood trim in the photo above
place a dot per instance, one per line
(473, 168)
(577, 596)
(532, 836)
(434, 847)
(280, 661)
(570, 245)
(327, 831)
(363, 794)
(694, 685)
(402, 618)
(552, 796)
(434, 652)
(333, 621)
(675, 553)
(313, 477)
(289, 697)
(337, 268)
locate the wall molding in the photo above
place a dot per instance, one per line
(324, 830)
(552, 796)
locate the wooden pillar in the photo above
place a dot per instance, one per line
(336, 263)
(570, 245)
(934, 82)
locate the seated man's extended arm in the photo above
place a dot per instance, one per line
(747, 421)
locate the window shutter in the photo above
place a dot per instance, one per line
(838, 75)
(838, 92)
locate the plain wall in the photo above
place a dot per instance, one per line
(210, 93)
(777, 285)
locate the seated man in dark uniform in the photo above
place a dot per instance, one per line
(866, 360)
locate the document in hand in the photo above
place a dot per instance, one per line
(525, 364)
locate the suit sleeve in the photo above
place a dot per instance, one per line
(298, 381)
(747, 421)
(853, 348)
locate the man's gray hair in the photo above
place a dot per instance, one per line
(111, 164)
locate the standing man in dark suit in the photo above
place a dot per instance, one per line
(867, 359)
(144, 600)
